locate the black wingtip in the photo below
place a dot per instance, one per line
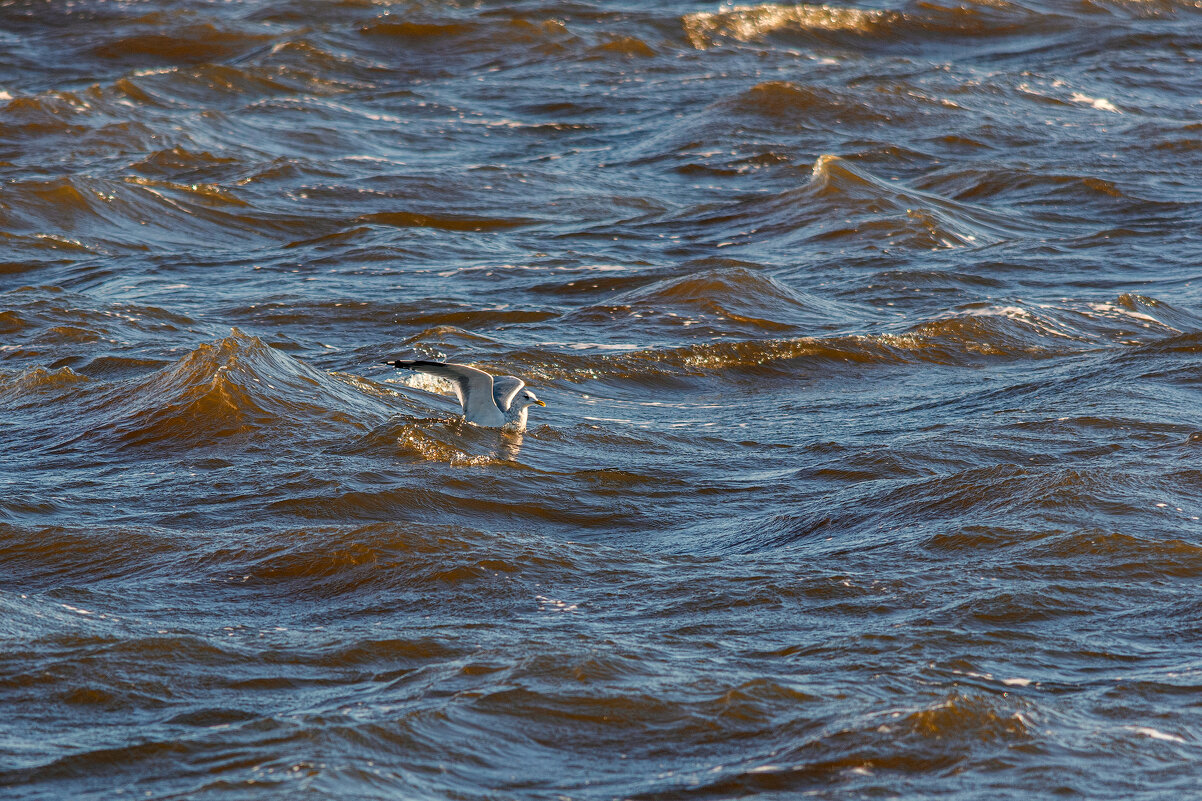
(411, 364)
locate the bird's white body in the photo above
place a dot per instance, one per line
(490, 401)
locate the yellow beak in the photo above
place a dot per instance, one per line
(540, 403)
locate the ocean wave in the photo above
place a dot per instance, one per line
(330, 560)
(439, 440)
(235, 387)
(729, 300)
(871, 750)
(138, 213)
(762, 127)
(196, 43)
(805, 104)
(38, 312)
(410, 557)
(32, 386)
(477, 37)
(968, 335)
(965, 337)
(748, 23)
(753, 23)
(1112, 555)
(1041, 190)
(175, 161)
(843, 202)
(929, 219)
(48, 556)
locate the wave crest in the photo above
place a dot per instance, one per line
(236, 386)
(32, 385)
(749, 23)
(984, 18)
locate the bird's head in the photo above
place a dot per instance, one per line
(528, 399)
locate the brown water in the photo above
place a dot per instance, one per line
(872, 346)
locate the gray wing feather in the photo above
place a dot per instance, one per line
(504, 389)
(473, 387)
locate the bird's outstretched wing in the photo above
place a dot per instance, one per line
(504, 389)
(473, 387)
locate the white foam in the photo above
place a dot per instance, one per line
(546, 604)
(1020, 315)
(1110, 308)
(424, 382)
(1156, 734)
(1100, 103)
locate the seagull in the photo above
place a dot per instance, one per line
(491, 401)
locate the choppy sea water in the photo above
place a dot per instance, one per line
(871, 339)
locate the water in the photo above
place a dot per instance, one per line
(871, 343)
